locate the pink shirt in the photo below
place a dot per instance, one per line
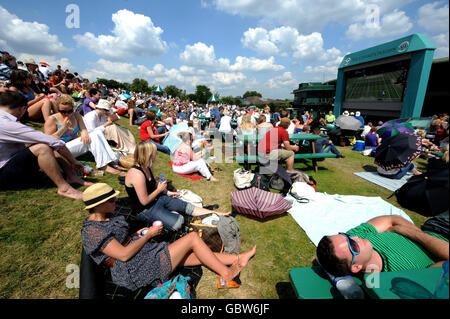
(182, 156)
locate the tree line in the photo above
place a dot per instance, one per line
(201, 95)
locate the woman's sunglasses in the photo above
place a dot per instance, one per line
(66, 111)
(353, 246)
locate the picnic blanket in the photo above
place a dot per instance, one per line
(194, 177)
(388, 183)
(330, 214)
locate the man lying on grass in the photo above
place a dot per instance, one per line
(385, 243)
(20, 164)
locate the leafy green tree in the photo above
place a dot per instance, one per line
(231, 100)
(139, 85)
(202, 94)
(251, 93)
(173, 91)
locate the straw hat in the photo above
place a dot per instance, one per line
(30, 61)
(97, 194)
(104, 105)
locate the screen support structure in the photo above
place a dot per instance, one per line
(421, 52)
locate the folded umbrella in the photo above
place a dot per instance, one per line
(259, 203)
(394, 127)
(398, 151)
(348, 123)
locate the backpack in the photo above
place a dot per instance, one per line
(261, 181)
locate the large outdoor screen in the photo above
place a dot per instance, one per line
(381, 83)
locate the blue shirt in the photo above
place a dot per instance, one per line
(361, 119)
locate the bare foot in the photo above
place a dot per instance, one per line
(233, 270)
(213, 179)
(79, 181)
(245, 257)
(112, 170)
(70, 193)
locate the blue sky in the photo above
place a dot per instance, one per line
(231, 46)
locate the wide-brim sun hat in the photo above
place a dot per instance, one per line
(97, 194)
(104, 105)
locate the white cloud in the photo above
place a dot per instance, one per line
(199, 55)
(392, 24)
(134, 35)
(32, 38)
(259, 40)
(284, 80)
(442, 44)
(126, 72)
(305, 15)
(325, 71)
(287, 40)
(255, 65)
(432, 18)
(227, 78)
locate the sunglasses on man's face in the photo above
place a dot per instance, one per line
(66, 111)
(353, 246)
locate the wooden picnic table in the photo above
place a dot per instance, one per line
(255, 138)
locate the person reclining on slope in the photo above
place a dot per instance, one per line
(385, 243)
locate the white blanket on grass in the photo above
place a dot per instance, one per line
(388, 183)
(330, 214)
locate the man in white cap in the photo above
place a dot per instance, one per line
(103, 118)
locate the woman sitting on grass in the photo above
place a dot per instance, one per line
(39, 107)
(185, 161)
(66, 124)
(148, 132)
(150, 199)
(134, 261)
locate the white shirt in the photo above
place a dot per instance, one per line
(225, 124)
(121, 105)
(93, 121)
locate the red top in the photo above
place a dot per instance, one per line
(144, 133)
(273, 140)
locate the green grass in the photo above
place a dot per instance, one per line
(40, 232)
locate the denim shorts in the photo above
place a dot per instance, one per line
(164, 209)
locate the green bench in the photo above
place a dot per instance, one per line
(314, 283)
(248, 159)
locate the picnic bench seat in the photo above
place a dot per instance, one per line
(247, 159)
(314, 283)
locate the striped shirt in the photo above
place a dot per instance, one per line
(398, 252)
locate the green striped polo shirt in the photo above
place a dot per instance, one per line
(398, 252)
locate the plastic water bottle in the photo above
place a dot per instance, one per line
(162, 178)
(347, 286)
(442, 287)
